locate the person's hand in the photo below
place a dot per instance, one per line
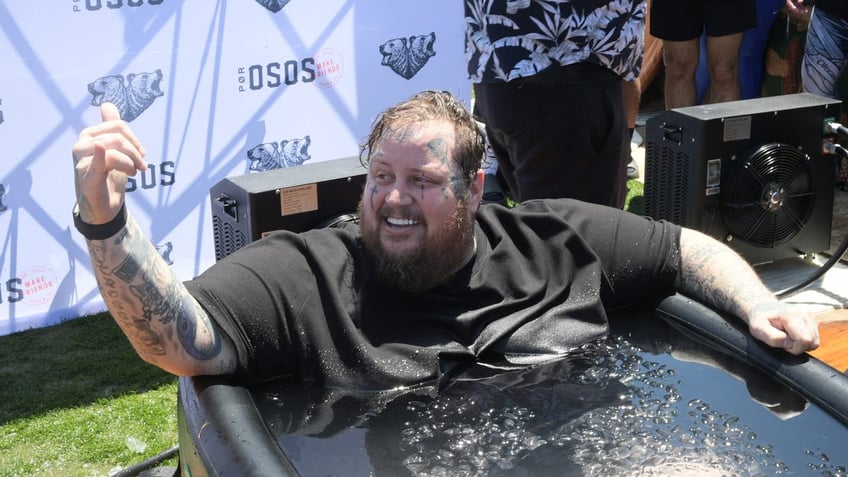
(786, 326)
(797, 7)
(104, 155)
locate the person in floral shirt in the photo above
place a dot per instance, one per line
(824, 67)
(547, 78)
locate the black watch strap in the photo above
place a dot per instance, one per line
(100, 231)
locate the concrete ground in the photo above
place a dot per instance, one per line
(637, 151)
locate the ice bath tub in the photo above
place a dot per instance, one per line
(682, 395)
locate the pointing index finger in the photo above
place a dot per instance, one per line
(110, 112)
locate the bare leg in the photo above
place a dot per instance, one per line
(632, 91)
(723, 61)
(681, 61)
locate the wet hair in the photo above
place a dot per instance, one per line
(428, 105)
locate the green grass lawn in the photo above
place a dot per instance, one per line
(635, 201)
(71, 395)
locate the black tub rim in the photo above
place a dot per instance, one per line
(222, 431)
(817, 381)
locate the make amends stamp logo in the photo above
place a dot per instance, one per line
(329, 67)
(39, 285)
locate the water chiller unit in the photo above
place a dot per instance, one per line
(751, 173)
(246, 207)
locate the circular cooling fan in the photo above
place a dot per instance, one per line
(339, 221)
(768, 195)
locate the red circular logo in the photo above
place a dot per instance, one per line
(39, 285)
(329, 67)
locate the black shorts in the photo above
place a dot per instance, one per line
(682, 20)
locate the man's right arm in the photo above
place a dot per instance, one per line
(164, 323)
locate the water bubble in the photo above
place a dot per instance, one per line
(780, 468)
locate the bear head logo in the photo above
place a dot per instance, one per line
(263, 157)
(132, 97)
(295, 152)
(273, 5)
(272, 155)
(406, 56)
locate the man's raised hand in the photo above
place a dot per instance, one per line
(104, 155)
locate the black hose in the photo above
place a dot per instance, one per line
(837, 255)
(136, 469)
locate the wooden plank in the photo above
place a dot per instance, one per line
(833, 330)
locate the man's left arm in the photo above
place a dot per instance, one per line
(716, 275)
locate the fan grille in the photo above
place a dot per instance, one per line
(769, 195)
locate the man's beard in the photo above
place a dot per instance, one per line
(428, 265)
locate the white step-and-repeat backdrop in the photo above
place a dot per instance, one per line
(213, 88)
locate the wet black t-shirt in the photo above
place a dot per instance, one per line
(305, 305)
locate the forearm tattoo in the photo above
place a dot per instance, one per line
(716, 275)
(127, 269)
(187, 330)
(698, 278)
(154, 304)
(147, 301)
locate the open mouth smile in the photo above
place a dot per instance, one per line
(401, 222)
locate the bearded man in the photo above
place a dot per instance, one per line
(428, 281)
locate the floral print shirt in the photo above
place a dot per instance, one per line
(509, 39)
